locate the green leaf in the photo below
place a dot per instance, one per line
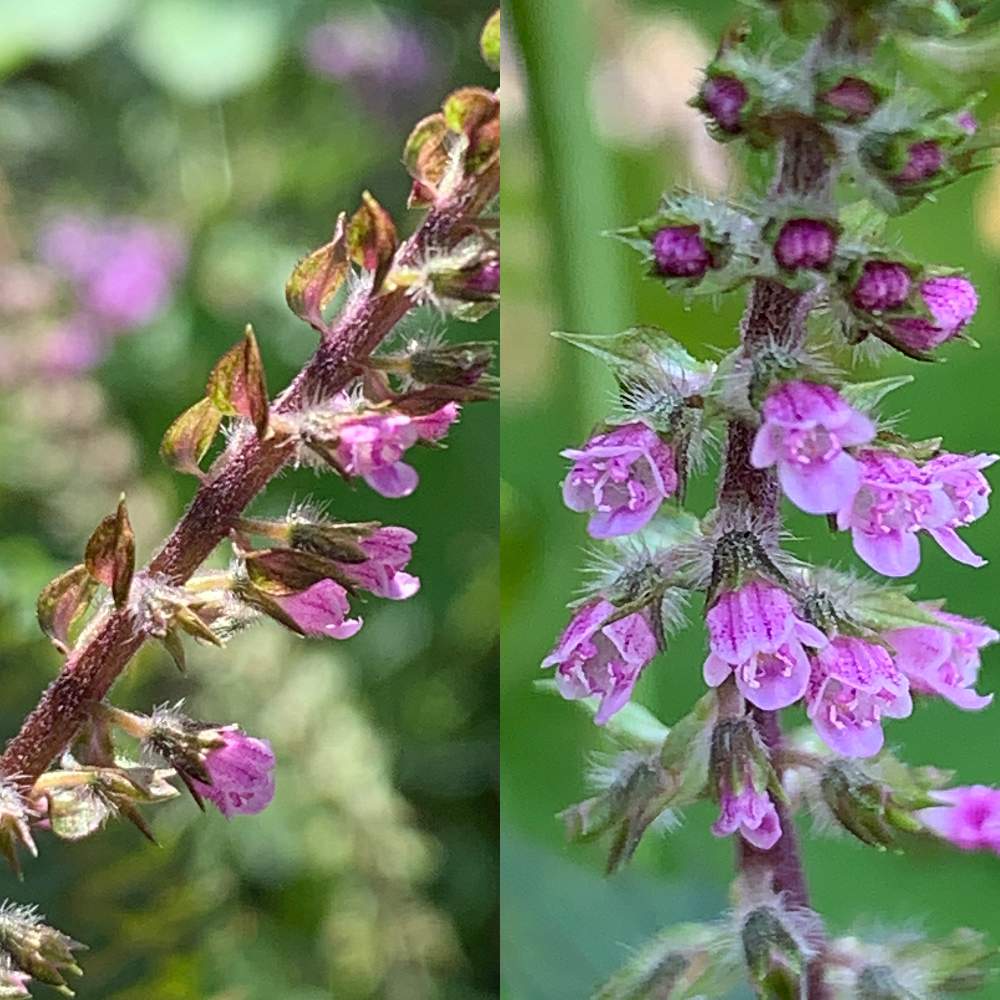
(887, 609)
(489, 42)
(639, 345)
(867, 395)
(190, 436)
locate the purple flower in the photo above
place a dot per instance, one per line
(322, 610)
(969, 817)
(241, 772)
(806, 427)
(604, 660)
(805, 243)
(924, 160)
(853, 685)
(967, 490)
(855, 98)
(753, 814)
(724, 98)
(755, 633)
(952, 302)
(944, 660)
(882, 285)
(371, 444)
(388, 551)
(623, 476)
(680, 252)
(486, 279)
(967, 122)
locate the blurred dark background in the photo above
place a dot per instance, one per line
(163, 164)
(596, 127)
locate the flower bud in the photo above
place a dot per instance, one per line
(34, 949)
(923, 161)
(680, 252)
(882, 285)
(775, 954)
(805, 243)
(851, 100)
(451, 364)
(723, 98)
(951, 303)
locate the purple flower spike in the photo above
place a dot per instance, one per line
(952, 302)
(805, 429)
(882, 285)
(855, 98)
(604, 660)
(755, 634)
(241, 772)
(322, 611)
(853, 685)
(622, 476)
(680, 252)
(752, 813)
(924, 160)
(724, 98)
(805, 243)
(969, 817)
(944, 660)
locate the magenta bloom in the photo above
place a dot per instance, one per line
(388, 551)
(883, 285)
(805, 243)
(944, 660)
(753, 814)
(855, 98)
(241, 770)
(952, 302)
(805, 429)
(622, 476)
(755, 633)
(967, 490)
(592, 658)
(924, 160)
(680, 252)
(322, 610)
(853, 685)
(371, 445)
(969, 817)
(724, 98)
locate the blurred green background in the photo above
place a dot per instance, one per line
(163, 164)
(596, 126)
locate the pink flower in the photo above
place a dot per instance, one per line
(924, 160)
(805, 429)
(604, 660)
(951, 301)
(388, 551)
(969, 818)
(755, 633)
(944, 660)
(371, 445)
(898, 498)
(623, 476)
(241, 772)
(724, 98)
(680, 252)
(967, 122)
(805, 243)
(853, 685)
(883, 285)
(322, 610)
(753, 814)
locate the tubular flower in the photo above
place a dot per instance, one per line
(755, 634)
(594, 658)
(752, 813)
(241, 771)
(944, 660)
(383, 573)
(951, 302)
(322, 610)
(854, 684)
(969, 817)
(805, 431)
(622, 476)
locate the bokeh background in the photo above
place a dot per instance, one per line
(163, 164)
(595, 127)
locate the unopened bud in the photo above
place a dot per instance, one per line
(775, 957)
(35, 949)
(805, 244)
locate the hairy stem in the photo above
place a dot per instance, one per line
(239, 474)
